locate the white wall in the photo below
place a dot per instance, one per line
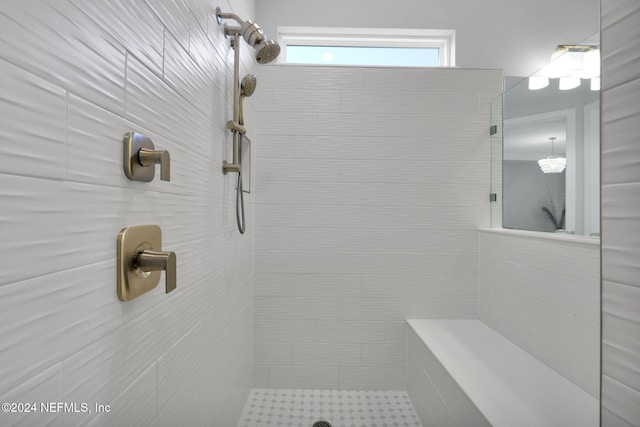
(76, 76)
(620, 213)
(542, 292)
(370, 186)
(516, 36)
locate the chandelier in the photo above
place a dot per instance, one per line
(552, 164)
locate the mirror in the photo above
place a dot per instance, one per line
(542, 122)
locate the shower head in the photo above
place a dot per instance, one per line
(248, 85)
(266, 50)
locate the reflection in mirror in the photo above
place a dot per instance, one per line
(542, 121)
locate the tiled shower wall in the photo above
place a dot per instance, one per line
(542, 292)
(620, 213)
(370, 186)
(76, 76)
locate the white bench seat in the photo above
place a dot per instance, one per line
(463, 373)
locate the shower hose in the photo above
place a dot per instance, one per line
(240, 205)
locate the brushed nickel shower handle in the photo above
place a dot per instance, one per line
(148, 157)
(150, 260)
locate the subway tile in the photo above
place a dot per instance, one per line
(461, 408)
(275, 352)
(285, 284)
(136, 405)
(340, 331)
(554, 285)
(132, 24)
(187, 78)
(278, 123)
(620, 164)
(614, 11)
(187, 371)
(621, 223)
(260, 376)
(42, 389)
(434, 80)
(332, 354)
(50, 317)
(94, 145)
(304, 308)
(66, 207)
(420, 287)
(153, 104)
(91, 67)
(370, 378)
(269, 330)
(230, 408)
(309, 77)
(313, 376)
(620, 47)
(620, 327)
(620, 117)
(380, 355)
(619, 103)
(620, 404)
(34, 114)
(289, 99)
(426, 400)
(175, 15)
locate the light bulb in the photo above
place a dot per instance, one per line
(568, 83)
(538, 82)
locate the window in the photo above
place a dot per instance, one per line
(367, 46)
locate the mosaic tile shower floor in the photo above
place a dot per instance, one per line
(341, 408)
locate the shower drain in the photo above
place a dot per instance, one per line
(321, 424)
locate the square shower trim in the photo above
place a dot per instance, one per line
(340, 408)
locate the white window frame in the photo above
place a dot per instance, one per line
(444, 40)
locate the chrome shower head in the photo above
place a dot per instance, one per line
(266, 50)
(248, 85)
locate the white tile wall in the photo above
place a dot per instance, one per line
(77, 75)
(437, 397)
(543, 293)
(370, 185)
(620, 218)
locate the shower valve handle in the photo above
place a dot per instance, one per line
(148, 157)
(150, 260)
(141, 156)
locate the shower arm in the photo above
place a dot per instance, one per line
(229, 31)
(221, 15)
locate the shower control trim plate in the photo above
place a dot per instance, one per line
(140, 260)
(140, 158)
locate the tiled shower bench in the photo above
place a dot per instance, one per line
(463, 373)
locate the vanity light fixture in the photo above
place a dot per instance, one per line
(570, 64)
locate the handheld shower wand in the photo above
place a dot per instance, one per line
(266, 51)
(247, 87)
